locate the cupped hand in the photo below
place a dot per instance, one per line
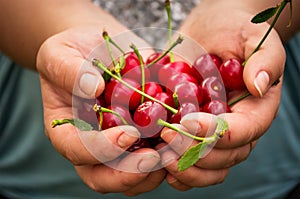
(224, 28)
(100, 158)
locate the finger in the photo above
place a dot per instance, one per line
(113, 177)
(176, 184)
(246, 123)
(64, 66)
(92, 147)
(213, 159)
(193, 176)
(266, 65)
(225, 158)
(153, 180)
(178, 142)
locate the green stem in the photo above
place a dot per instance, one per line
(175, 43)
(107, 41)
(98, 64)
(234, 101)
(208, 140)
(136, 51)
(60, 122)
(168, 9)
(280, 9)
(101, 109)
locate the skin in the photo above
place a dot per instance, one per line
(58, 51)
(251, 117)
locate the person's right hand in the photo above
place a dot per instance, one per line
(66, 71)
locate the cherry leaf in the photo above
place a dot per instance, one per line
(80, 124)
(191, 156)
(264, 15)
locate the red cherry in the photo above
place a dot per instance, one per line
(184, 109)
(110, 120)
(213, 88)
(232, 74)
(178, 78)
(216, 107)
(132, 68)
(152, 89)
(177, 67)
(153, 56)
(140, 143)
(156, 67)
(117, 93)
(208, 65)
(146, 116)
(189, 92)
(166, 98)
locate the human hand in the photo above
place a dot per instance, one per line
(224, 28)
(67, 75)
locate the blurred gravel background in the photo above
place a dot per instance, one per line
(148, 13)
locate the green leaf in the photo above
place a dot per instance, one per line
(191, 156)
(264, 15)
(80, 124)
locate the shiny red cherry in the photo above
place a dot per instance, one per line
(111, 120)
(216, 107)
(146, 116)
(208, 65)
(213, 88)
(117, 93)
(132, 68)
(140, 143)
(184, 109)
(232, 74)
(188, 92)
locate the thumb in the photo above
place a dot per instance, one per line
(66, 68)
(265, 67)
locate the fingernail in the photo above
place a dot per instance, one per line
(171, 179)
(89, 83)
(128, 137)
(148, 163)
(261, 82)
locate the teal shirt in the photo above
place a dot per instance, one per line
(31, 168)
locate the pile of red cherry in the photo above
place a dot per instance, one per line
(203, 86)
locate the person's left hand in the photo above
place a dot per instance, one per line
(224, 28)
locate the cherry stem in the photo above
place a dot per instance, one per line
(136, 51)
(168, 9)
(99, 109)
(208, 140)
(234, 101)
(175, 43)
(99, 64)
(280, 9)
(107, 41)
(108, 38)
(175, 98)
(60, 122)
